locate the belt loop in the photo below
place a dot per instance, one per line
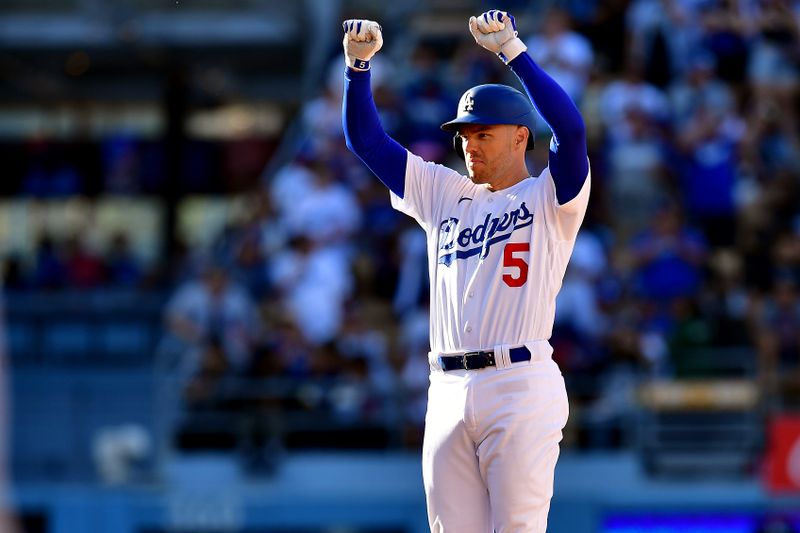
(541, 350)
(501, 357)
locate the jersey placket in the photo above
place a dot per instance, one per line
(470, 301)
(469, 317)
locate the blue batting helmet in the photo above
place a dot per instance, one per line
(493, 104)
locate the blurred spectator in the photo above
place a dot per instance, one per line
(359, 339)
(689, 334)
(611, 400)
(84, 269)
(290, 183)
(249, 266)
(248, 246)
(428, 95)
(709, 142)
(786, 254)
(725, 35)
(636, 162)
(314, 282)
(290, 352)
(563, 53)
(414, 341)
(663, 36)
(351, 397)
(49, 271)
(591, 107)
(322, 116)
(412, 281)
(271, 228)
(631, 93)
(205, 387)
(579, 323)
(469, 67)
(213, 313)
(700, 89)
(668, 257)
(380, 221)
(327, 213)
(727, 301)
(775, 151)
(122, 266)
(604, 23)
(772, 69)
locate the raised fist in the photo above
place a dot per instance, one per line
(362, 40)
(497, 32)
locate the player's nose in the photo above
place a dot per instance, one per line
(469, 145)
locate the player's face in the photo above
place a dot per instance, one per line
(491, 152)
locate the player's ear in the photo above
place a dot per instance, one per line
(521, 137)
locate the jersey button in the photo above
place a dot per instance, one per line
(469, 329)
(491, 200)
(471, 294)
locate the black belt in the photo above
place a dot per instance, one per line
(481, 359)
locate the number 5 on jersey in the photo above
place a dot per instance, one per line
(512, 261)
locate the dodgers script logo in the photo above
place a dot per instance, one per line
(455, 244)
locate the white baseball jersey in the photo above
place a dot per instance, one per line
(496, 259)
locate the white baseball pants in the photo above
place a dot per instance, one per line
(490, 449)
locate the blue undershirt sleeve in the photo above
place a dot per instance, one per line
(364, 134)
(568, 162)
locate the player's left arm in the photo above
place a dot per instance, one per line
(569, 165)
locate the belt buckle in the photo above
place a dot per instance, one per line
(465, 361)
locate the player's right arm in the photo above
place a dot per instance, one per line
(419, 188)
(363, 132)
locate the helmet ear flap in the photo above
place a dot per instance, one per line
(531, 139)
(457, 145)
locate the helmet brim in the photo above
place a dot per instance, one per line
(455, 123)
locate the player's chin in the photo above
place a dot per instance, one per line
(476, 177)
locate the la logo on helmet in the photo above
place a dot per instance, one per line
(469, 103)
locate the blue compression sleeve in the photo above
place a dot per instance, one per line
(568, 162)
(365, 136)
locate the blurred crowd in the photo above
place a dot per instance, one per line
(690, 248)
(71, 263)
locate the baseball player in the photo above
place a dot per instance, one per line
(498, 244)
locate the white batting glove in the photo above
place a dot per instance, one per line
(362, 40)
(497, 32)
